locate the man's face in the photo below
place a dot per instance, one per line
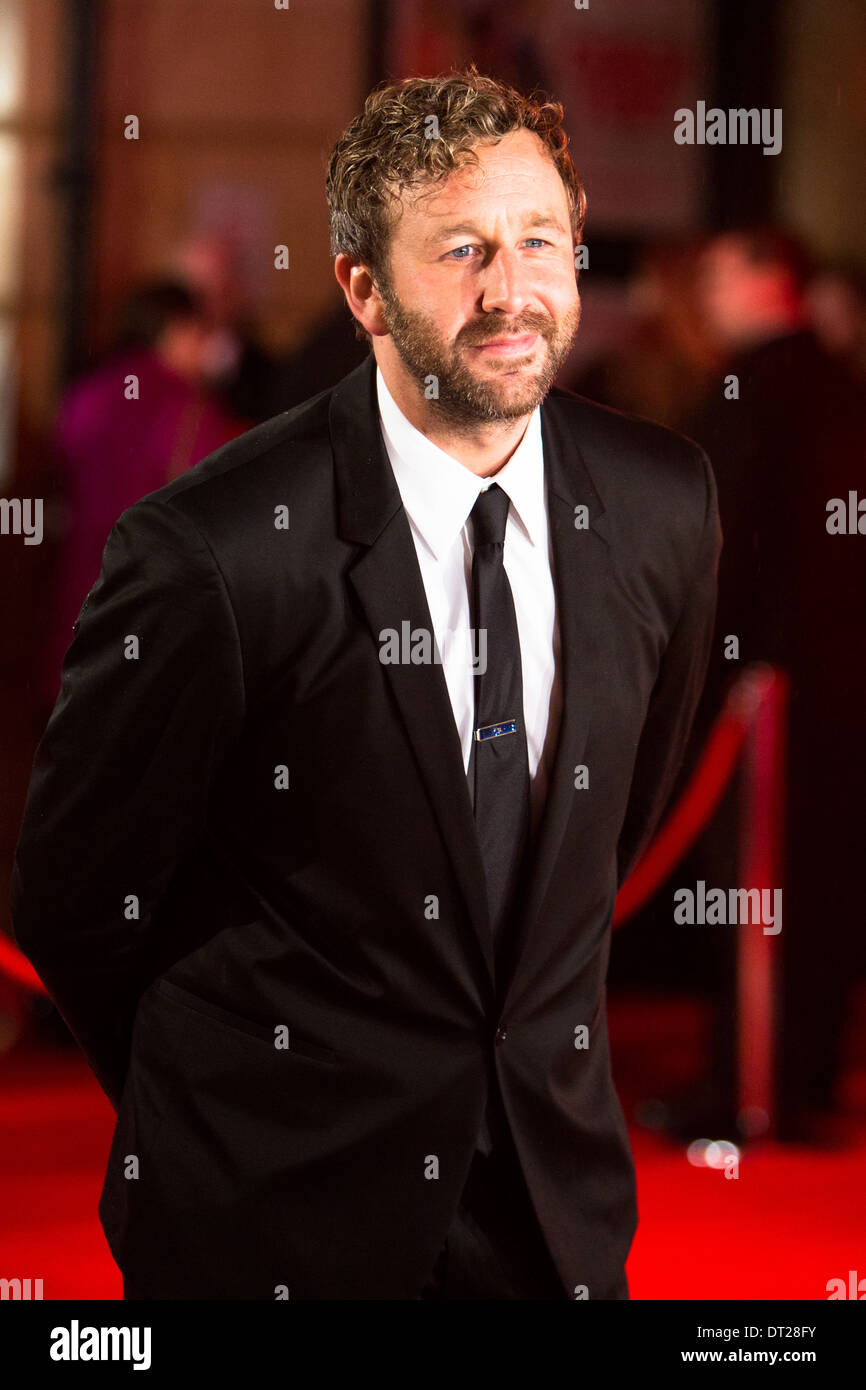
(739, 298)
(724, 288)
(481, 291)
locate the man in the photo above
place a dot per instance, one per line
(348, 999)
(785, 423)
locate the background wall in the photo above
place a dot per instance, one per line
(821, 187)
(238, 104)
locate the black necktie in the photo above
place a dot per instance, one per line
(499, 754)
(498, 767)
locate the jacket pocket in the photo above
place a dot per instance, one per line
(194, 1002)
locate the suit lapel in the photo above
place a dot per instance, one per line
(388, 582)
(580, 560)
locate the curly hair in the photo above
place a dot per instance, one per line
(418, 131)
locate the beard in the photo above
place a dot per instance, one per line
(464, 398)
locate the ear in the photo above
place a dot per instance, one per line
(362, 297)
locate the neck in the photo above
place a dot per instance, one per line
(483, 447)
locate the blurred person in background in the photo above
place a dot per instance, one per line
(663, 369)
(836, 297)
(123, 429)
(784, 425)
(330, 352)
(786, 418)
(248, 381)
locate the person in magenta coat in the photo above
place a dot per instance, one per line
(123, 429)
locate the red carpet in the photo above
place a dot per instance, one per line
(793, 1219)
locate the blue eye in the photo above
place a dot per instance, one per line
(463, 253)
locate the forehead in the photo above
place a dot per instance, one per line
(510, 173)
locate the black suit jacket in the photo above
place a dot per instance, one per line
(239, 819)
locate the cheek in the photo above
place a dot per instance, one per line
(446, 299)
(562, 297)
(559, 281)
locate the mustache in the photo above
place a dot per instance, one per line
(474, 334)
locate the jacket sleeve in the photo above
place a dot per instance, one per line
(151, 700)
(676, 693)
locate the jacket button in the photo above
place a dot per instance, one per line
(501, 1035)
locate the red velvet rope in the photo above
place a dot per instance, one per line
(18, 967)
(703, 793)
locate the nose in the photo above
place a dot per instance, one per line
(504, 285)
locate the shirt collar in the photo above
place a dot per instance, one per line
(439, 493)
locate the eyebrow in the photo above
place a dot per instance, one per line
(536, 219)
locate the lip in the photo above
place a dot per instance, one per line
(509, 347)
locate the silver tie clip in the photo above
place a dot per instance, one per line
(508, 726)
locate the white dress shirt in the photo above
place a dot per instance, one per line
(438, 495)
